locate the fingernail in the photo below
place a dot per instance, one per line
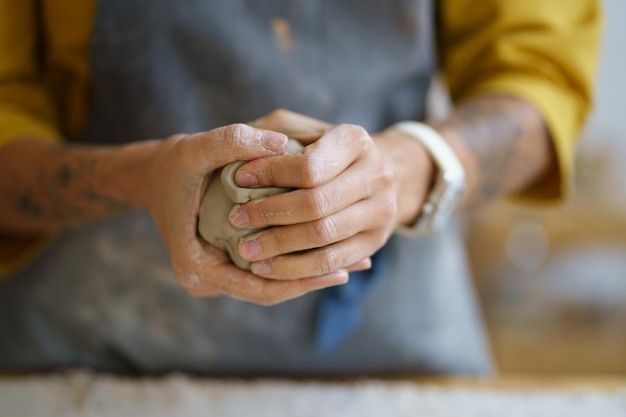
(343, 276)
(238, 216)
(249, 249)
(274, 141)
(339, 277)
(367, 263)
(260, 268)
(246, 179)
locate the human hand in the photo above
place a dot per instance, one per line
(177, 172)
(343, 208)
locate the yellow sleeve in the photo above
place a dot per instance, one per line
(544, 51)
(25, 107)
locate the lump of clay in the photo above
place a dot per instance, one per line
(221, 195)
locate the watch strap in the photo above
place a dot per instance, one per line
(448, 186)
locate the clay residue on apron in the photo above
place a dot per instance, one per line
(282, 31)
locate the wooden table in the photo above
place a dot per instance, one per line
(98, 395)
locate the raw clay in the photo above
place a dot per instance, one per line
(221, 195)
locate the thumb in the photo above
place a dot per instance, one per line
(237, 142)
(297, 126)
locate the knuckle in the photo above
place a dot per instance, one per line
(237, 133)
(383, 181)
(324, 231)
(386, 175)
(259, 300)
(272, 172)
(392, 210)
(274, 241)
(268, 302)
(267, 299)
(356, 132)
(177, 138)
(311, 175)
(328, 262)
(388, 211)
(263, 215)
(188, 280)
(279, 239)
(318, 203)
(278, 114)
(379, 240)
(360, 132)
(389, 204)
(177, 146)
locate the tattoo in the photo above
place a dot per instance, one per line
(60, 192)
(480, 132)
(28, 206)
(506, 138)
(64, 174)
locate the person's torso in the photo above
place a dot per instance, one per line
(202, 64)
(104, 296)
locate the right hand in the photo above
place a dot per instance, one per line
(179, 168)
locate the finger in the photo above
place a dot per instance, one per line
(236, 142)
(362, 265)
(296, 126)
(360, 181)
(319, 261)
(267, 292)
(213, 273)
(299, 206)
(364, 215)
(318, 163)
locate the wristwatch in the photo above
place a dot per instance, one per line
(445, 193)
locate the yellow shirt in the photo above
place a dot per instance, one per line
(543, 51)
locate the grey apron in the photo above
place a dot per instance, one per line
(104, 296)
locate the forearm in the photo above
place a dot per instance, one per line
(502, 143)
(48, 187)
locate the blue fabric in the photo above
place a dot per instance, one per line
(340, 307)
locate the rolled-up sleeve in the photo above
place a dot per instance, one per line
(543, 51)
(25, 107)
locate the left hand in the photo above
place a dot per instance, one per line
(343, 210)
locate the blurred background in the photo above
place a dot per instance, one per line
(552, 281)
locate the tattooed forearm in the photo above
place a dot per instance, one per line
(49, 187)
(502, 142)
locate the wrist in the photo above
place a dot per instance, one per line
(125, 172)
(456, 143)
(414, 172)
(447, 188)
